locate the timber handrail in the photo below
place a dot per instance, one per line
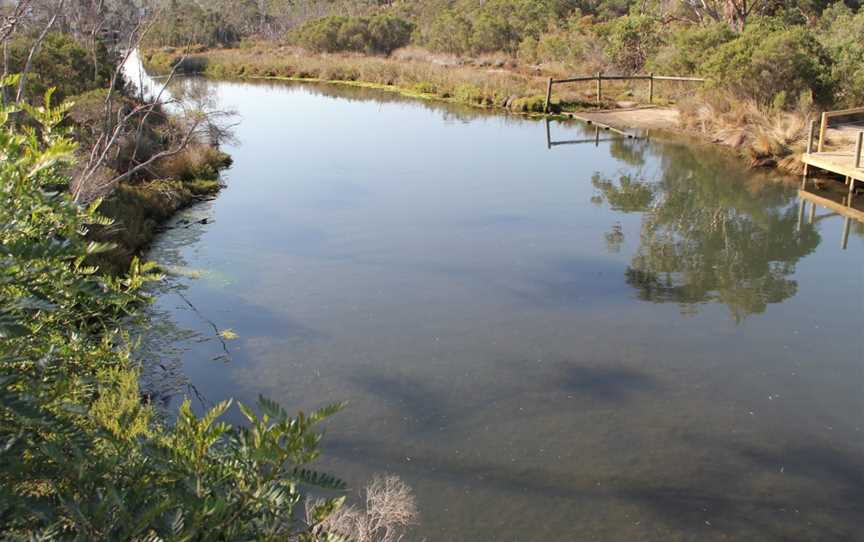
(599, 77)
(858, 142)
(810, 135)
(823, 122)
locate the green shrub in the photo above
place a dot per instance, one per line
(491, 26)
(688, 47)
(379, 34)
(182, 22)
(769, 58)
(450, 32)
(841, 34)
(61, 63)
(631, 41)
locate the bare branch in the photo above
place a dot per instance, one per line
(10, 22)
(22, 82)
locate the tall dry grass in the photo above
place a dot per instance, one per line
(197, 161)
(769, 137)
(409, 71)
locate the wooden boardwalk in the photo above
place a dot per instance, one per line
(842, 163)
(846, 164)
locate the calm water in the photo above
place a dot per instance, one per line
(628, 341)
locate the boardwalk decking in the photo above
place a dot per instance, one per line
(842, 163)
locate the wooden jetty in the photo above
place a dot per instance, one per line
(844, 163)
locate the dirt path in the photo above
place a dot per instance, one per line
(648, 117)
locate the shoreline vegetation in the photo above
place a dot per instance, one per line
(769, 67)
(772, 140)
(140, 210)
(92, 169)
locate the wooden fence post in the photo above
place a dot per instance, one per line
(599, 88)
(651, 88)
(823, 127)
(810, 134)
(548, 95)
(858, 143)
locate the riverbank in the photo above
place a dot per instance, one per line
(143, 198)
(139, 210)
(764, 139)
(489, 84)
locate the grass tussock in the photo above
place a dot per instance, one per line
(768, 137)
(194, 162)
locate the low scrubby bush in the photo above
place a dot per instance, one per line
(492, 26)
(631, 41)
(61, 63)
(688, 47)
(772, 64)
(378, 34)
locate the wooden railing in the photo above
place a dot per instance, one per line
(599, 77)
(823, 124)
(858, 141)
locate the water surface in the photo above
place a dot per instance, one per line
(633, 340)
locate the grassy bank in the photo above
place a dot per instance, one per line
(763, 137)
(140, 209)
(490, 82)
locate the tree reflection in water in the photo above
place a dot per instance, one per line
(706, 237)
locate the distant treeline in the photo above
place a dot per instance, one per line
(777, 52)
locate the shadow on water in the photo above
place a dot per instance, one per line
(162, 343)
(607, 383)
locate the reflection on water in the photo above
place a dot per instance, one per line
(836, 201)
(711, 240)
(623, 340)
